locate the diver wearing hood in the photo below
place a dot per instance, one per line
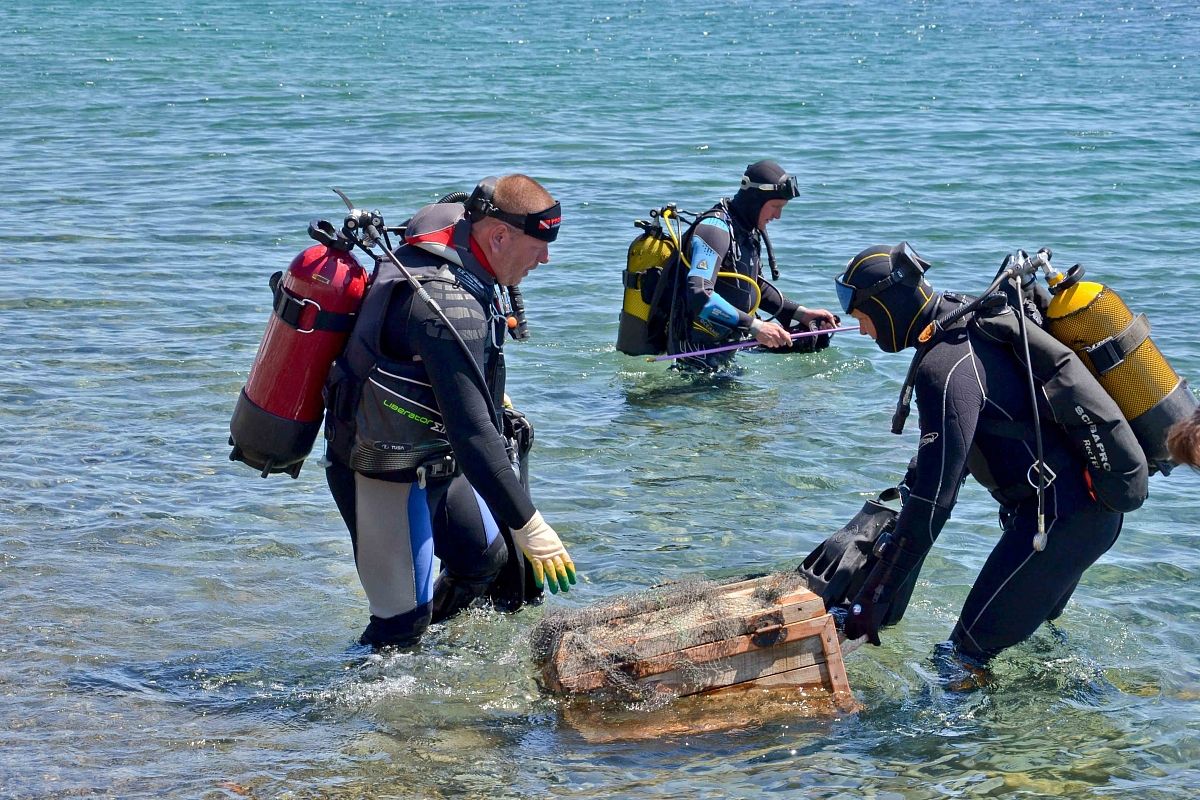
(724, 288)
(974, 405)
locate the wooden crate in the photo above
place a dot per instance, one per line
(789, 644)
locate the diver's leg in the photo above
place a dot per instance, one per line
(1019, 588)
(394, 559)
(469, 544)
(340, 480)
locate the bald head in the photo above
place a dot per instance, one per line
(513, 196)
(504, 231)
(521, 194)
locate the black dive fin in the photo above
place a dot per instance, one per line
(837, 569)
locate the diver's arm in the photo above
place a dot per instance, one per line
(948, 404)
(478, 447)
(949, 401)
(774, 303)
(788, 312)
(710, 242)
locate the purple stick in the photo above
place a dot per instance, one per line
(750, 343)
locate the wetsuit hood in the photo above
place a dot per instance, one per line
(763, 180)
(888, 285)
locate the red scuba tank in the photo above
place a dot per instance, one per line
(316, 304)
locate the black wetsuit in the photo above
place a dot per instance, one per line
(401, 351)
(974, 408)
(712, 310)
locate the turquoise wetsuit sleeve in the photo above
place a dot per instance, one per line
(710, 241)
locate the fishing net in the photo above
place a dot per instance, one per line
(602, 642)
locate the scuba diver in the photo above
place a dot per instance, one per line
(421, 451)
(974, 394)
(723, 286)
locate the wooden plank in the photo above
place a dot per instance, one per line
(765, 645)
(744, 705)
(838, 682)
(627, 647)
(802, 678)
(804, 683)
(746, 665)
(654, 603)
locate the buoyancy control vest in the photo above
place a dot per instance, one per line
(744, 257)
(1095, 428)
(1099, 433)
(655, 276)
(384, 420)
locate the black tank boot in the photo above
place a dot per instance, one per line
(452, 595)
(453, 592)
(402, 630)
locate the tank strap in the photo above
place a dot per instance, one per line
(1108, 354)
(632, 280)
(291, 309)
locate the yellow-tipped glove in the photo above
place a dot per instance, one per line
(541, 545)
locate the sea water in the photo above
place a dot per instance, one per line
(173, 625)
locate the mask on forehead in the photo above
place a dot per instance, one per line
(762, 181)
(888, 285)
(541, 225)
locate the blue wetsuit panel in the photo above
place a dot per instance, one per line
(420, 538)
(490, 529)
(705, 263)
(705, 259)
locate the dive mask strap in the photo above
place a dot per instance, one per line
(785, 189)
(907, 267)
(542, 225)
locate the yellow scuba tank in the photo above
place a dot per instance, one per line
(1092, 320)
(646, 306)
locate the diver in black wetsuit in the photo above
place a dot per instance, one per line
(975, 414)
(421, 458)
(712, 307)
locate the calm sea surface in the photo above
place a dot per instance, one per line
(173, 626)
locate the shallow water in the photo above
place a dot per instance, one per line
(174, 626)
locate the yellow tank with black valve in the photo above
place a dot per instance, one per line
(1094, 321)
(644, 308)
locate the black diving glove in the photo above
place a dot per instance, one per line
(868, 608)
(884, 595)
(809, 344)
